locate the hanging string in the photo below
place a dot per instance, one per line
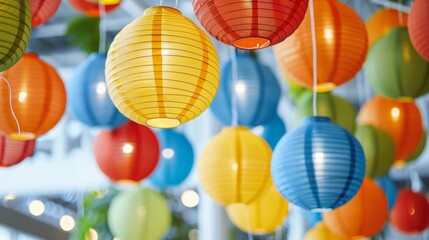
(175, 6)
(249, 227)
(103, 28)
(10, 104)
(314, 44)
(234, 72)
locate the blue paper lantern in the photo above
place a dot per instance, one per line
(272, 131)
(256, 90)
(89, 101)
(177, 159)
(318, 166)
(389, 189)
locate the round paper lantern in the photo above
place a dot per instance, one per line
(42, 11)
(262, 216)
(139, 214)
(322, 232)
(341, 47)
(256, 91)
(38, 98)
(395, 69)
(250, 24)
(89, 100)
(410, 213)
(379, 150)
(419, 150)
(400, 119)
(336, 108)
(318, 166)
(177, 160)
(382, 21)
(162, 81)
(389, 189)
(272, 131)
(127, 153)
(418, 29)
(16, 28)
(234, 166)
(363, 216)
(14, 151)
(92, 9)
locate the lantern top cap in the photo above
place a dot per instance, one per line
(160, 9)
(234, 128)
(317, 119)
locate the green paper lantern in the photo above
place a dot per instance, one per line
(416, 154)
(139, 214)
(15, 28)
(379, 150)
(338, 109)
(395, 69)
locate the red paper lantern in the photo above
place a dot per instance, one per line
(249, 24)
(418, 27)
(410, 214)
(92, 9)
(14, 151)
(42, 11)
(127, 153)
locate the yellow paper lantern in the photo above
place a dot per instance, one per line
(234, 166)
(262, 216)
(162, 70)
(322, 232)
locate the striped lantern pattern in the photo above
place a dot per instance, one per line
(15, 28)
(89, 101)
(42, 11)
(250, 24)
(418, 27)
(318, 166)
(162, 70)
(91, 8)
(14, 151)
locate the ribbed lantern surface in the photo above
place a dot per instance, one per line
(382, 21)
(42, 11)
(92, 9)
(418, 27)
(14, 151)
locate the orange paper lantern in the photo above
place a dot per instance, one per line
(363, 216)
(92, 9)
(42, 11)
(419, 28)
(322, 232)
(38, 98)
(341, 47)
(382, 21)
(14, 151)
(401, 119)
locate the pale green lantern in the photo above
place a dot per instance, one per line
(338, 109)
(139, 214)
(379, 150)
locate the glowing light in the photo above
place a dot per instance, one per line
(411, 211)
(101, 88)
(67, 223)
(141, 211)
(235, 166)
(22, 96)
(328, 34)
(190, 198)
(9, 197)
(168, 153)
(395, 113)
(240, 87)
(36, 207)
(164, 52)
(91, 235)
(258, 130)
(127, 148)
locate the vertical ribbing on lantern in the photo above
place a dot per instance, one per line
(42, 10)
(162, 70)
(14, 151)
(418, 27)
(92, 9)
(15, 28)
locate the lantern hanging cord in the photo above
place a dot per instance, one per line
(175, 6)
(234, 72)
(10, 104)
(102, 28)
(314, 45)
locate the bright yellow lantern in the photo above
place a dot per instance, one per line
(234, 166)
(322, 232)
(262, 216)
(162, 70)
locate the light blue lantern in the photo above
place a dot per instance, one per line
(177, 159)
(256, 91)
(89, 101)
(272, 131)
(389, 189)
(318, 166)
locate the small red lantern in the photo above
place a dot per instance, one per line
(92, 9)
(42, 11)
(410, 214)
(127, 153)
(14, 151)
(418, 27)
(249, 24)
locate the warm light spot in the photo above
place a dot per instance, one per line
(36, 207)
(127, 148)
(101, 88)
(411, 211)
(9, 197)
(258, 130)
(22, 96)
(328, 34)
(67, 223)
(164, 52)
(116, 238)
(142, 211)
(190, 198)
(168, 153)
(319, 157)
(91, 235)
(395, 113)
(235, 166)
(240, 87)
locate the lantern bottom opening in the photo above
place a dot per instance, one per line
(22, 136)
(163, 122)
(249, 43)
(321, 210)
